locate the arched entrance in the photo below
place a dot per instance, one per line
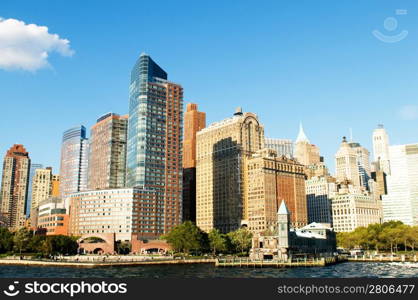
(97, 243)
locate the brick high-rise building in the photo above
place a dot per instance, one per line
(107, 160)
(154, 153)
(270, 180)
(14, 186)
(194, 121)
(222, 149)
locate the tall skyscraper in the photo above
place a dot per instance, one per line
(269, 181)
(33, 168)
(401, 202)
(306, 153)
(194, 121)
(346, 164)
(363, 163)
(41, 191)
(14, 186)
(381, 149)
(74, 161)
(155, 139)
(222, 149)
(107, 160)
(283, 147)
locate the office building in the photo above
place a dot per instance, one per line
(107, 160)
(346, 164)
(352, 207)
(363, 163)
(401, 201)
(306, 153)
(319, 191)
(55, 185)
(41, 191)
(381, 149)
(283, 147)
(221, 151)
(53, 216)
(270, 180)
(14, 186)
(33, 168)
(74, 161)
(155, 139)
(194, 121)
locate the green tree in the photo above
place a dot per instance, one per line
(36, 243)
(123, 247)
(21, 239)
(241, 239)
(186, 237)
(6, 240)
(217, 241)
(59, 244)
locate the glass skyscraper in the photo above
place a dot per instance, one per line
(154, 152)
(74, 161)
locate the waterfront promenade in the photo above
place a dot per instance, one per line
(92, 261)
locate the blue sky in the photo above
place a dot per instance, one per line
(288, 61)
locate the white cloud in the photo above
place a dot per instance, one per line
(26, 46)
(408, 112)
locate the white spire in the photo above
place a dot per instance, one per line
(301, 136)
(283, 209)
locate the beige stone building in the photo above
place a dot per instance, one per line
(41, 191)
(346, 164)
(353, 207)
(306, 153)
(221, 154)
(270, 180)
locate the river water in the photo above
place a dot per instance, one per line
(353, 269)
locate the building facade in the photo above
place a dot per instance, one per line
(401, 201)
(53, 216)
(33, 168)
(352, 208)
(363, 163)
(14, 186)
(74, 161)
(55, 185)
(283, 147)
(41, 191)
(319, 191)
(306, 153)
(346, 164)
(270, 180)
(107, 160)
(381, 149)
(103, 212)
(194, 121)
(221, 150)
